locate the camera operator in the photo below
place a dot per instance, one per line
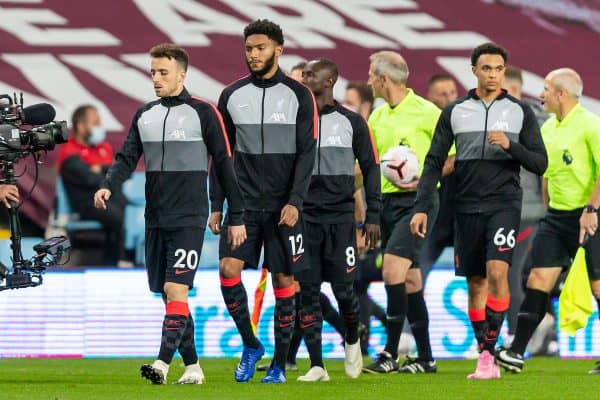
(9, 193)
(83, 162)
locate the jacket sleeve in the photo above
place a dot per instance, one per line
(217, 143)
(530, 150)
(368, 159)
(306, 138)
(443, 138)
(126, 159)
(217, 195)
(77, 173)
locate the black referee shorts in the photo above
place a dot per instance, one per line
(557, 242)
(172, 255)
(396, 237)
(284, 248)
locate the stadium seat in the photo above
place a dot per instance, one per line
(65, 217)
(27, 244)
(134, 227)
(134, 189)
(134, 224)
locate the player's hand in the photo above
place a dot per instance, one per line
(96, 168)
(588, 223)
(236, 235)
(372, 234)
(101, 197)
(499, 138)
(412, 185)
(361, 242)
(9, 193)
(289, 216)
(215, 221)
(418, 225)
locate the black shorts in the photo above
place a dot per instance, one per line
(284, 248)
(557, 241)
(396, 238)
(172, 255)
(332, 253)
(483, 237)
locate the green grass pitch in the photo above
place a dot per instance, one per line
(60, 379)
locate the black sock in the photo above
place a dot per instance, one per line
(331, 315)
(311, 322)
(378, 312)
(348, 303)
(285, 313)
(532, 312)
(187, 347)
(174, 325)
(418, 317)
(479, 324)
(495, 310)
(297, 336)
(397, 303)
(236, 301)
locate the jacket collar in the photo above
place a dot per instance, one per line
(473, 94)
(176, 100)
(272, 81)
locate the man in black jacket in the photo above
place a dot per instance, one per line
(176, 133)
(344, 137)
(494, 134)
(271, 121)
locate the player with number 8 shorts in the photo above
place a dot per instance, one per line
(176, 134)
(344, 137)
(271, 121)
(494, 134)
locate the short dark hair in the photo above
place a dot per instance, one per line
(513, 73)
(488, 48)
(171, 51)
(441, 77)
(328, 64)
(80, 114)
(364, 91)
(264, 27)
(300, 65)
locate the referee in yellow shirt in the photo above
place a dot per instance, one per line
(572, 193)
(410, 120)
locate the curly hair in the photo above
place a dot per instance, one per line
(488, 48)
(265, 27)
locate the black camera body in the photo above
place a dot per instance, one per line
(23, 132)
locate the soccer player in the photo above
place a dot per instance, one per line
(344, 137)
(441, 90)
(494, 135)
(572, 137)
(177, 134)
(271, 120)
(407, 119)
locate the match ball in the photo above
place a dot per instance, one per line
(400, 165)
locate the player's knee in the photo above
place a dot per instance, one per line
(497, 277)
(539, 280)
(230, 267)
(414, 282)
(477, 286)
(282, 280)
(176, 291)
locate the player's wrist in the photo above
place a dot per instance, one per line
(590, 209)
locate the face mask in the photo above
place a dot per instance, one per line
(97, 136)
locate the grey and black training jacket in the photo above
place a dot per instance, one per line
(487, 177)
(272, 126)
(177, 135)
(344, 137)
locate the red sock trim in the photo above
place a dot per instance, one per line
(281, 293)
(477, 315)
(498, 305)
(228, 282)
(178, 308)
